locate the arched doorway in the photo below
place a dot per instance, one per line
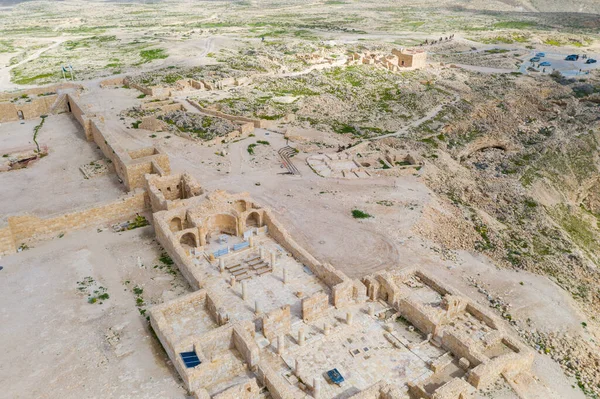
(176, 224)
(253, 220)
(188, 241)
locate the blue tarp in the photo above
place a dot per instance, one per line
(190, 359)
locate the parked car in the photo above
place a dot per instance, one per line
(535, 59)
(572, 57)
(545, 64)
(591, 61)
(540, 55)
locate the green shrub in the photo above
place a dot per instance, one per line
(358, 214)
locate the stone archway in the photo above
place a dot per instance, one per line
(175, 224)
(188, 241)
(253, 220)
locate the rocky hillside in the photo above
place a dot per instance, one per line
(517, 165)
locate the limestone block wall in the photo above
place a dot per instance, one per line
(153, 124)
(343, 294)
(246, 390)
(109, 148)
(512, 363)
(277, 322)
(278, 387)
(327, 273)
(417, 315)
(112, 82)
(183, 262)
(79, 114)
(25, 228)
(37, 107)
(456, 388)
(463, 347)
(137, 168)
(244, 342)
(36, 91)
(315, 306)
(480, 314)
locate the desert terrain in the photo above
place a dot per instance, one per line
(481, 168)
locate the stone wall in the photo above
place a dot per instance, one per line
(153, 124)
(245, 344)
(277, 322)
(33, 109)
(36, 91)
(112, 82)
(278, 387)
(130, 166)
(326, 273)
(25, 228)
(315, 306)
(246, 390)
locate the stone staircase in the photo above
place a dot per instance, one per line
(286, 153)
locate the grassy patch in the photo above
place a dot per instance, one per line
(154, 54)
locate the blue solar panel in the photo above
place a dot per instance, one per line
(335, 376)
(190, 359)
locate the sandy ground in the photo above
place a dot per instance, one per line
(53, 184)
(57, 345)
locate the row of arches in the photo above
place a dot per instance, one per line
(226, 223)
(214, 226)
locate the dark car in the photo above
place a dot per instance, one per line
(540, 55)
(591, 61)
(535, 59)
(545, 64)
(572, 57)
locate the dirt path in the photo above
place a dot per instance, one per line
(5, 82)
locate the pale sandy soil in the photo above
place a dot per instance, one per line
(53, 184)
(57, 345)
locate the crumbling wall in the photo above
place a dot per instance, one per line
(462, 347)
